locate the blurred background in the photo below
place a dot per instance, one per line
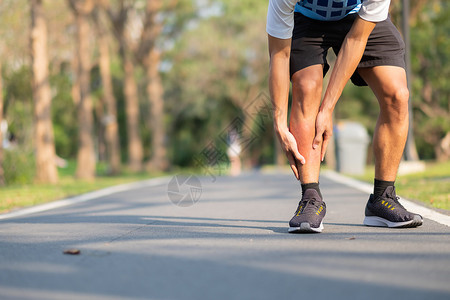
(109, 88)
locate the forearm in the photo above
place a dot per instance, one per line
(347, 61)
(279, 81)
(279, 93)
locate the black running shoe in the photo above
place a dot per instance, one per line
(386, 211)
(309, 214)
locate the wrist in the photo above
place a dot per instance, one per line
(326, 108)
(280, 126)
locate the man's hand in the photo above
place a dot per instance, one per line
(289, 146)
(346, 63)
(324, 131)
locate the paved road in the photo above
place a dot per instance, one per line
(232, 244)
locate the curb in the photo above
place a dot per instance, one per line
(85, 197)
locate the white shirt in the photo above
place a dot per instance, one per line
(280, 15)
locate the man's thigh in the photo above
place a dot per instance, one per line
(311, 40)
(385, 81)
(385, 47)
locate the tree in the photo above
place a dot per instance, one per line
(431, 87)
(2, 174)
(43, 128)
(209, 96)
(86, 153)
(110, 119)
(151, 58)
(410, 151)
(119, 21)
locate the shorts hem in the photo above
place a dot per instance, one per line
(293, 70)
(381, 62)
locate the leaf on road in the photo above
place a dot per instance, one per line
(72, 251)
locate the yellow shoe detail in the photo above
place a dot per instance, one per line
(319, 210)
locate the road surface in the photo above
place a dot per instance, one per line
(231, 244)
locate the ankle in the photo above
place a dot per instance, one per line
(380, 186)
(312, 185)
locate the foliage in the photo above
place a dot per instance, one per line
(18, 107)
(431, 88)
(19, 166)
(64, 118)
(214, 63)
(204, 98)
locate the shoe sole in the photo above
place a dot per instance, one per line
(306, 228)
(380, 222)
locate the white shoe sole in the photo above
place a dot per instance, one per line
(380, 222)
(306, 227)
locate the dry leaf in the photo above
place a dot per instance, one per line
(72, 251)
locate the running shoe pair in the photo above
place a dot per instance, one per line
(385, 211)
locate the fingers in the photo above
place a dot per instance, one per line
(317, 140)
(293, 164)
(326, 139)
(299, 157)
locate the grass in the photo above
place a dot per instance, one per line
(431, 187)
(18, 196)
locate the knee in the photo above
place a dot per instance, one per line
(306, 98)
(396, 104)
(306, 87)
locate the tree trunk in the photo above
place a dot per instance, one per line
(110, 119)
(2, 174)
(86, 152)
(43, 128)
(155, 92)
(100, 144)
(442, 149)
(410, 150)
(135, 150)
(119, 21)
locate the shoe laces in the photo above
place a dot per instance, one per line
(311, 204)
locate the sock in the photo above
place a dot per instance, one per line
(380, 186)
(313, 185)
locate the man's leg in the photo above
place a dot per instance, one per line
(389, 86)
(306, 96)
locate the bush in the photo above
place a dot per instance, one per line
(19, 166)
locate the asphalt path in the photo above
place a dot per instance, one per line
(231, 244)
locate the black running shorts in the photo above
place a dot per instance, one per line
(311, 40)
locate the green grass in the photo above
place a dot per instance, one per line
(23, 195)
(19, 196)
(431, 187)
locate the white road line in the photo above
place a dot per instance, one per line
(85, 197)
(409, 205)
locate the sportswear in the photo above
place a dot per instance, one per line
(280, 14)
(309, 214)
(386, 211)
(311, 40)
